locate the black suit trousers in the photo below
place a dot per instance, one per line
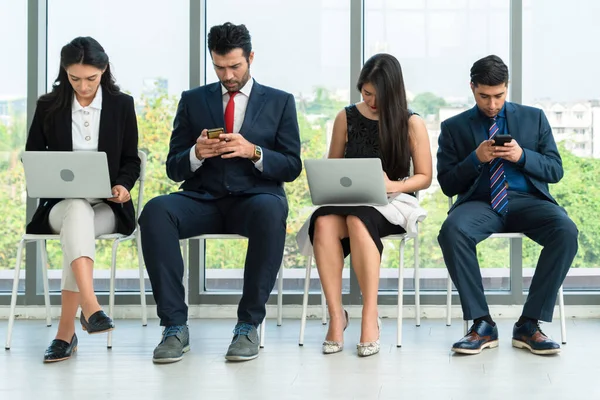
(167, 219)
(539, 219)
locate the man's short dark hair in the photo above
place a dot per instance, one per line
(489, 71)
(224, 38)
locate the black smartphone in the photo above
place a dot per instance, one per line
(214, 133)
(499, 140)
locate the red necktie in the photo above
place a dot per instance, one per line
(229, 112)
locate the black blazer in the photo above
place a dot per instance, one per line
(461, 135)
(118, 138)
(270, 122)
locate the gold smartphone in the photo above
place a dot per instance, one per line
(214, 133)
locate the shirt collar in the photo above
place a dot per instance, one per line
(95, 104)
(501, 114)
(245, 90)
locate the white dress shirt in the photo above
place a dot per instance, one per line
(86, 123)
(241, 103)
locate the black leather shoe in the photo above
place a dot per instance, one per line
(60, 350)
(99, 322)
(529, 336)
(481, 335)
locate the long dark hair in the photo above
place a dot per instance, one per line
(81, 50)
(383, 71)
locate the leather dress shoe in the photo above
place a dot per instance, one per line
(529, 336)
(60, 350)
(98, 322)
(481, 335)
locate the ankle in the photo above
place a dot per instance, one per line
(486, 318)
(90, 307)
(524, 319)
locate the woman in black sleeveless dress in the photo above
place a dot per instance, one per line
(380, 126)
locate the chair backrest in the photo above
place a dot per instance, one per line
(140, 200)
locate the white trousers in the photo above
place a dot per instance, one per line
(79, 222)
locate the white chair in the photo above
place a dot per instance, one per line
(116, 238)
(403, 238)
(184, 245)
(561, 301)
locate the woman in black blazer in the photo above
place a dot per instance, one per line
(85, 111)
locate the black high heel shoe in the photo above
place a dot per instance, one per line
(60, 350)
(99, 322)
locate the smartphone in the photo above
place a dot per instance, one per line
(499, 140)
(214, 133)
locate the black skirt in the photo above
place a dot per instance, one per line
(377, 225)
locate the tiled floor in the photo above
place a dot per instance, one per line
(424, 368)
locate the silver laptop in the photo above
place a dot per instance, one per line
(67, 174)
(346, 181)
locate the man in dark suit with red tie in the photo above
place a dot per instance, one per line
(502, 188)
(232, 183)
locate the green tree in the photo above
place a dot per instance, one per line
(427, 103)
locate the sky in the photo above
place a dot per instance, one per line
(299, 45)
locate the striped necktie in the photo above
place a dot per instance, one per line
(498, 185)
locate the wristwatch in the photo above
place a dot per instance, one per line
(257, 154)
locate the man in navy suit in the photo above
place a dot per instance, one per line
(502, 189)
(231, 184)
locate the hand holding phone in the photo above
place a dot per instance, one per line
(214, 133)
(499, 140)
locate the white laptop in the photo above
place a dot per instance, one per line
(346, 181)
(67, 174)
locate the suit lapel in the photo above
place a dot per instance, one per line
(255, 104)
(63, 129)
(107, 120)
(512, 122)
(475, 125)
(215, 105)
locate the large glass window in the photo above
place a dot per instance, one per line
(436, 43)
(560, 76)
(148, 44)
(302, 48)
(13, 131)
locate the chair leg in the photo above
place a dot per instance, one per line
(138, 239)
(46, 285)
(13, 296)
(305, 300)
(417, 283)
(262, 334)
(400, 294)
(466, 326)
(563, 323)
(111, 292)
(280, 296)
(449, 301)
(184, 254)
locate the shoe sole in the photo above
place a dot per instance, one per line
(61, 359)
(490, 345)
(241, 358)
(97, 332)
(522, 345)
(171, 359)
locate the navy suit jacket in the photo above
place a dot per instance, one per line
(461, 135)
(270, 122)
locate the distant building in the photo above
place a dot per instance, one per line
(11, 106)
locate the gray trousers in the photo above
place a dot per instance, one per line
(79, 222)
